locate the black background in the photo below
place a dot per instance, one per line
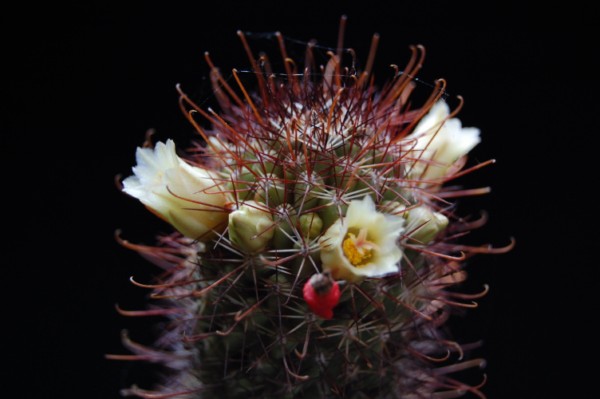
(85, 81)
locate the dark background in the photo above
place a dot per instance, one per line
(83, 83)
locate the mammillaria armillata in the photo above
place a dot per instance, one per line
(316, 243)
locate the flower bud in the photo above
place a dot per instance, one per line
(187, 197)
(311, 225)
(251, 227)
(424, 224)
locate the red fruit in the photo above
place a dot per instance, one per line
(322, 294)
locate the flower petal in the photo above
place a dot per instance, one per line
(186, 196)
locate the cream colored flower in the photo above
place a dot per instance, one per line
(438, 142)
(362, 244)
(251, 227)
(183, 195)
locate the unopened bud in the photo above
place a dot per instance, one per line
(311, 225)
(424, 224)
(251, 227)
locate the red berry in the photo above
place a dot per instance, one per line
(322, 294)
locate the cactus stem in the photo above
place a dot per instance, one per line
(286, 167)
(206, 290)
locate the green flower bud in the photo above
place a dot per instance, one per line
(311, 225)
(251, 227)
(424, 224)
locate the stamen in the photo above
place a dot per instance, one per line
(358, 249)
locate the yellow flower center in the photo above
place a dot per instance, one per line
(358, 249)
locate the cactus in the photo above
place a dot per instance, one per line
(316, 244)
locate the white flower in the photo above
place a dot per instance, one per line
(251, 227)
(362, 244)
(185, 196)
(438, 142)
